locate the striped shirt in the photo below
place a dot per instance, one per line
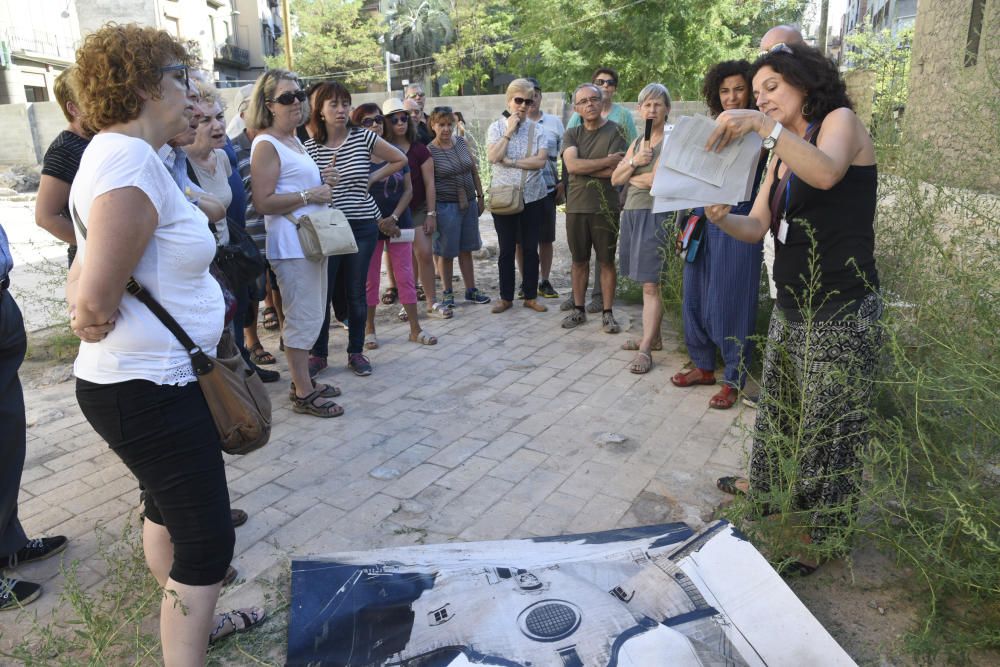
(254, 220)
(62, 159)
(353, 160)
(453, 171)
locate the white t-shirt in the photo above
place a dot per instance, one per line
(173, 268)
(298, 172)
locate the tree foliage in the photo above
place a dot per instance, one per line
(418, 30)
(562, 41)
(481, 47)
(334, 36)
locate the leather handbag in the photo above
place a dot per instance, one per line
(240, 259)
(237, 400)
(240, 406)
(509, 199)
(323, 233)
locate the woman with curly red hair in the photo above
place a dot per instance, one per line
(135, 384)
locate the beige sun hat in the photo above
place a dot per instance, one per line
(392, 105)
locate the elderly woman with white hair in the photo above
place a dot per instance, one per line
(643, 234)
(515, 146)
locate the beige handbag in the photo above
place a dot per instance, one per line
(323, 233)
(509, 199)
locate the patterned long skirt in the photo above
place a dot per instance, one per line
(813, 417)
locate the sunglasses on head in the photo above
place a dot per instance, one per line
(526, 101)
(289, 98)
(442, 110)
(178, 68)
(606, 82)
(400, 118)
(780, 47)
(371, 121)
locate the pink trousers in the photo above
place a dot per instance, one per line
(401, 256)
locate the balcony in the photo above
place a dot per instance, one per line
(232, 55)
(43, 45)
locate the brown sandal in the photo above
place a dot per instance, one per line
(327, 391)
(315, 404)
(693, 377)
(725, 398)
(642, 363)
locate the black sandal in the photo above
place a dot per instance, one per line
(389, 296)
(251, 617)
(314, 404)
(796, 570)
(328, 390)
(728, 485)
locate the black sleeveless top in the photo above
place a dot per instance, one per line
(842, 220)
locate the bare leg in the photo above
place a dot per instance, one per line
(465, 266)
(581, 270)
(423, 262)
(411, 314)
(608, 279)
(544, 260)
(652, 316)
(370, 321)
(186, 617)
(598, 286)
(444, 267)
(298, 366)
(275, 297)
(159, 550)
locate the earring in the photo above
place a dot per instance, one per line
(806, 110)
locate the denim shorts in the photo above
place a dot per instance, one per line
(457, 231)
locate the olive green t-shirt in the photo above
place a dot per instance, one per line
(588, 194)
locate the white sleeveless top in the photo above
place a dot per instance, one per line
(298, 172)
(173, 268)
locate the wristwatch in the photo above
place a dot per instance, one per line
(430, 213)
(772, 139)
(631, 162)
(394, 217)
(305, 197)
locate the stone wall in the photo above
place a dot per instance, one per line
(954, 110)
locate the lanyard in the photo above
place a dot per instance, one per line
(788, 185)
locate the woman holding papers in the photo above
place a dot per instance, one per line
(819, 202)
(721, 278)
(643, 234)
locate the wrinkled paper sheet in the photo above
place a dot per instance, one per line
(638, 597)
(688, 176)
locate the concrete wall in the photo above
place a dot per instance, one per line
(30, 128)
(952, 110)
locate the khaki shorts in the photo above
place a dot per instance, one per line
(592, 230)
(303, 286)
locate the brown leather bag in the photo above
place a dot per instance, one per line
(240, 406)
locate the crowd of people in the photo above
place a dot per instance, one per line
(147, 183)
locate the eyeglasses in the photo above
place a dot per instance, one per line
(780, 47)
(372, 120)
(411, 96)
(178, 68)
(526, 101)
(606, 82)
(289, 98)
(399, 118)
(588, 100)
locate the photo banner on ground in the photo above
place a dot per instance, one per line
(655, 595)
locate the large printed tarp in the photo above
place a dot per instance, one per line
(637, 597)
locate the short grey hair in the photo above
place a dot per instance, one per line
(587, 85)
(520, 86)
(655, 90)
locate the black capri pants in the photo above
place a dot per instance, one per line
(166, 437)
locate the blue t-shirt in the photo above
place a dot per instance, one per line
(387, 194)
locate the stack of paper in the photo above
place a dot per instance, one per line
(688, 176)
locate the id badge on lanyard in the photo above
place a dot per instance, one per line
(783, 225)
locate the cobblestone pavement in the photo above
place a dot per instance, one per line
(507, 428)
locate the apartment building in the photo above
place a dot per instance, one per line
(37, 41)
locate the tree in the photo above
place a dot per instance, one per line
(560, 42)
(335, 38)
(482, 44)
(417, 30)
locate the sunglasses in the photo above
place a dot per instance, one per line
(400, 118)
(442, 110)
(289, 98)
(526, 101)
(780, 47)
(178, 68)
(588, 100)
(372, 120)
(606, 82)
(411, 96)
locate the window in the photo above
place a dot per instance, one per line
(975, 28)
(172, 25)
(36, 94)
